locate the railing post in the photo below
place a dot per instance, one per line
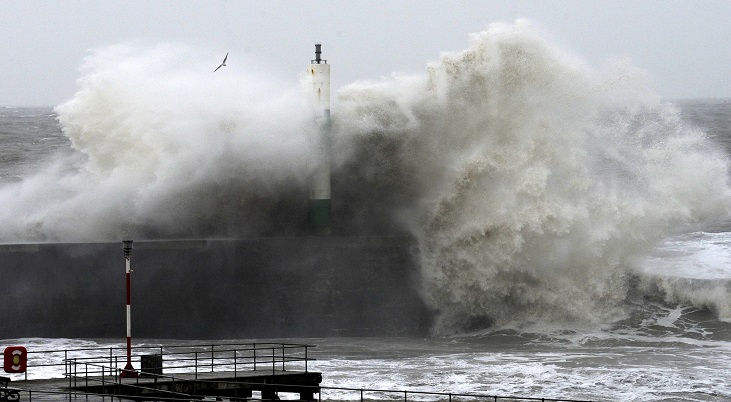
(361, 395)
(68, 369)
(405, 396)
(305, 358)
(283, 353)
(196, 366)
(255, 356)
(235, 364)
(273, 360)
(212, 346)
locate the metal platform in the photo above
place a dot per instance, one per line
(238, 386)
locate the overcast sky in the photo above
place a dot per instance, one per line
(685, 46)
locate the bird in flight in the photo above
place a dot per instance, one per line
(222, 64)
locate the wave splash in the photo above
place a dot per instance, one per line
(165, 149)
(535, 183)
(532, 183)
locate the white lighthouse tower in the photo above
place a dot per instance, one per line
(320, 203)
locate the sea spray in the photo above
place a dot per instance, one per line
(170, 150)
(535, 183)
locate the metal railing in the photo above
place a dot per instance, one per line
(96, 366)
(176, 358)
(189, 360)
(45, 395)
(355, 394)
(91, 380)
(370, 394)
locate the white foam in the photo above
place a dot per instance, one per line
(697, 255)
(544, 370)
(540, 182)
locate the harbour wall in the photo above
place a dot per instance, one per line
(308, 286)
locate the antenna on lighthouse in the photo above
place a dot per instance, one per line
(318, 52)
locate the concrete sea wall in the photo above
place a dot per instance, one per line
(310, 286)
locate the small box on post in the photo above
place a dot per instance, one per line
(151, 365)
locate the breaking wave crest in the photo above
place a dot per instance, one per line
(536, 183)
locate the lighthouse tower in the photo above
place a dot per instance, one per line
(320, 203)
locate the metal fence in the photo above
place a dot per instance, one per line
(89, 366)
(366, 394)
(325, 393)
(175, 358)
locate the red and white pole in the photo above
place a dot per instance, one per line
(129, 371)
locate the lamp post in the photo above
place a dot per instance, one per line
(129, 371)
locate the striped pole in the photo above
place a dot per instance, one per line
(129, 371)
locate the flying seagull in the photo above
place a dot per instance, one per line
(222, 64)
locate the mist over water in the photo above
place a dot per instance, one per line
(533, 183)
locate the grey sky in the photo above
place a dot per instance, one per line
(685, 46)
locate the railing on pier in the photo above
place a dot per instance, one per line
(95, 366)
(324, 393)
(369, 395)
(175, 359)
